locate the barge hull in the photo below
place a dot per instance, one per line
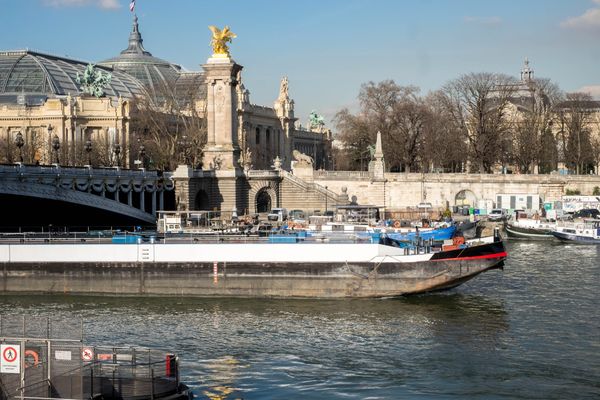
(383, 276)
(243, 280)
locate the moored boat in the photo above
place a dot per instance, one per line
(586, 232)
(527, 228)
(307, 269)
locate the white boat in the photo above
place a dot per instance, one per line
(586, 232)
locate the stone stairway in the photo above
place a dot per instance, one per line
(298, 194)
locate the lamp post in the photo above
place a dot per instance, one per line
(142, 155)
(55, 145)
(19, 142)
(117, 150)
(325, 199)
(184, 149)
(88, 149)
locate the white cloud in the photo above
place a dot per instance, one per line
(483, 20)
(593, 90)
(590, 19)
(103, 4)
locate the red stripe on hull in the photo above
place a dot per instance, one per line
(495, 255)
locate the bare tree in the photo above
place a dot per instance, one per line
(477, 103)
(172, 132)
(398, 112)
(444, 147)
(575, 117)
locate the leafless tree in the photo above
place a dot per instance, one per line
(173, 131)
(532, 139)
(477, 104)
(398, 112)
(444, 147)
(574, 118)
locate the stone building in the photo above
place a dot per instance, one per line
(40, 98)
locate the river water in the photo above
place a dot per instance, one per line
(531, 331)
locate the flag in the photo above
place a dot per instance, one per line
(132, 5)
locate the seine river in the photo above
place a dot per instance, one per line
(531, 331)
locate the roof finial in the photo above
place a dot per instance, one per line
(526, 72)
(135, 40)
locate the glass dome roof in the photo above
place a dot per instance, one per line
(159, 76)
(29, 72)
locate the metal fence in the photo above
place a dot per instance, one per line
(55, 366)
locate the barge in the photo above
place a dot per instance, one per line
(296, 270)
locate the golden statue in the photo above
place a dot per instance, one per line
(219, 41)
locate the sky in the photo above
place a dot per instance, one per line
(329, 48)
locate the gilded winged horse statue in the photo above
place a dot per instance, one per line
(219, 41)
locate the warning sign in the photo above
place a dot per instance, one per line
(87, 354)
(10, 362)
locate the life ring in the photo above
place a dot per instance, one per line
(34, 362)
(397, 224)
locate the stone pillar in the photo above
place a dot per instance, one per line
(143, 200)
(222, 148)
(377, 166)
(161, 200)
(130, 197)
(154, 202)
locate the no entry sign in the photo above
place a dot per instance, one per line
(10, 358)
(87, 354)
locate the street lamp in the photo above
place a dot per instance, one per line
(88, 149)
(55, 144)
(142, 155)
(184, 149)
(19, 142)
(117, 150)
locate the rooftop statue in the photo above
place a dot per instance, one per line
(219, 41)
(93, 81)
(283, 89)
(316, 120)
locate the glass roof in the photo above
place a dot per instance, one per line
(159, 76)
(29, 72)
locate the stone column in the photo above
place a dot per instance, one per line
(143, 200)
(222, 148)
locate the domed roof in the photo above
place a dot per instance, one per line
(28, 72)
(159, 76)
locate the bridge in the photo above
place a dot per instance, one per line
(38, 195)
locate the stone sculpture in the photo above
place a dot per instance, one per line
(302, 158)
(219, 41)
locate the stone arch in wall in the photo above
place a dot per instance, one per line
(263, 195)
(202, 200)
(465, 197)
(263, 201)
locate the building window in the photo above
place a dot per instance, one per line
(268, 138)
(257, 139)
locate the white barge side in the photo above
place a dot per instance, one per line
(310, 270)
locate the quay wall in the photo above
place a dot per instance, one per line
(406, 190)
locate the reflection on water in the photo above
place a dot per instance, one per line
(530, 331)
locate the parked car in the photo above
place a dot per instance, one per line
(496, 214)
(278, 215)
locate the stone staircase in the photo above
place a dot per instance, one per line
(298, 194)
